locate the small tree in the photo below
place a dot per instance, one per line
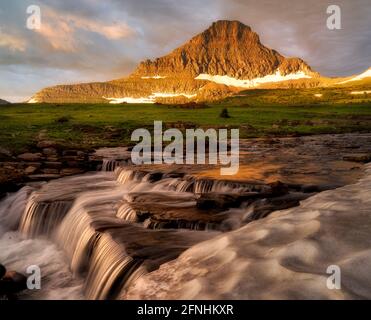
(224, 113)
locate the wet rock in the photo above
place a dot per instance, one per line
(70, 158)
(155, 176)
(361, 157)
(11, 282)
(310, 188)
(52, 158)
(50, 171)
(30, 156)
(71, 171)
(44, 176)
(50, 151)
(279, 188)
(30, 170)
(53, 164)
(69, 153)
(5, 152)
(46, 144)
(223, 201)
(80, 154)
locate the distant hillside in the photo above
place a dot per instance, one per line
(4, 102)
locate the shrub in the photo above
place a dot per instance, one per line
(224, 113)
(63, 119)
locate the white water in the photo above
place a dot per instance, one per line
(88, 240)
(284, 256)
(18, 253)
(276, 77)
(76, 230)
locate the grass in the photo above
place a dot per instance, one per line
(256, 112)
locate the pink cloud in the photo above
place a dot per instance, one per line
(13, 42)
(60, 29)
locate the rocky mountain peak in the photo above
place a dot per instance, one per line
(226, 48)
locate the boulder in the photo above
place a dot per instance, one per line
(30, 170)
(50, 171)
(71, 171)
(5, 152)
(11, 282)
(46, 177)
(53, 164)
(30, 156)
(358, 157)
(46, 144)
(50, 151)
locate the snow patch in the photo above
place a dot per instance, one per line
(172, 95)
(129, 100)
(361, 92)
(154, 77)
(276, 77)
(318, 95)
(33, 100)
(150, 99)
(366, 74)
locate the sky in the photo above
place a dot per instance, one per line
(92, 40)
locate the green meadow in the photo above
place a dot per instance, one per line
(257, 113)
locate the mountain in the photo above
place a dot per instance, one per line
(228, 54)
(2, 102)
(227, 48)
(359, 77)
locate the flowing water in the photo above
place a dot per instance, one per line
(93, 234)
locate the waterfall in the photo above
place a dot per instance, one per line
(113, 227)
(127, 175)
(180, 224)
(112, 164)
(41, 218)
(12, 208)
(126, 212)
(110, 269)
(207, 186)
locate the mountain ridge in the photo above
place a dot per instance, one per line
(226, 48)
(216, 63)
(3, 102)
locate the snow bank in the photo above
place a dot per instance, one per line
(129, 100)
(154, 77)
(150, 99)
(284, 256)
(276, 77)
(361, 92)
(33, 100)
(366, 74)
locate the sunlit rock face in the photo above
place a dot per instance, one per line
(228, 54)
(227, 48)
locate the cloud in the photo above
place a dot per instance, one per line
(61, 29)
(93, 40)
(13, 42)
